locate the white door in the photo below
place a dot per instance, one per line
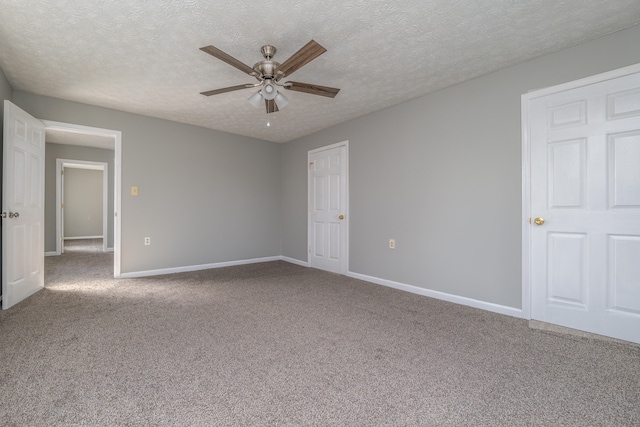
(328, 219)
(23, 206)
(585, 208)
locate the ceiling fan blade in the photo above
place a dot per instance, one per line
(271, 106)
(306, 54)
(329, 92)
(214, 51)
(226, 89)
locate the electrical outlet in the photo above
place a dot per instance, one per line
(147, 241)
(392, 243)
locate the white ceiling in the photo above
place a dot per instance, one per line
(144, 57)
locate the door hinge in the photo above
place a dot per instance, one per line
(61, 205)
(310, 165)
(309, 249)
(62, 172)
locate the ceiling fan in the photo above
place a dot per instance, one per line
(269, 73)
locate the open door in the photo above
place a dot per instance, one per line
(23, 206)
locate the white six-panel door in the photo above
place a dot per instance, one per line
(585, 208)
(23, 206)
(328, 230)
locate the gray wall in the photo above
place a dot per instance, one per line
(83, 203)
(205, 196)
(73, 152)
(6, 92)
(442, 175)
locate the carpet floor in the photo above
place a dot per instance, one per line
(283, 345)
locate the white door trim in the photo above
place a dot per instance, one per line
(345, 250)
(81, 164)
(526, 167)
(117, 179)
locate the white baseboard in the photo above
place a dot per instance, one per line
(55, 253)
(496, 308)
(83, 237)
(172, 270)
(294, 261)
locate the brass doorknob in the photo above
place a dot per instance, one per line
(539, 221)
(341, 217)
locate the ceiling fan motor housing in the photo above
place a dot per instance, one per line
(266, 69)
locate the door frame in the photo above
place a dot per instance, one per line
(117, 178)
(61, 164)
(344, 267)
(526, 100)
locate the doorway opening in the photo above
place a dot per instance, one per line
(82, 208)
(106, 139)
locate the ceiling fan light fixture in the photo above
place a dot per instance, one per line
(281, 101)
(269, 91)
(256, 99)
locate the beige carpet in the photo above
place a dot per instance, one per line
(279, 344)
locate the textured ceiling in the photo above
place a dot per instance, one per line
(143, 56)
